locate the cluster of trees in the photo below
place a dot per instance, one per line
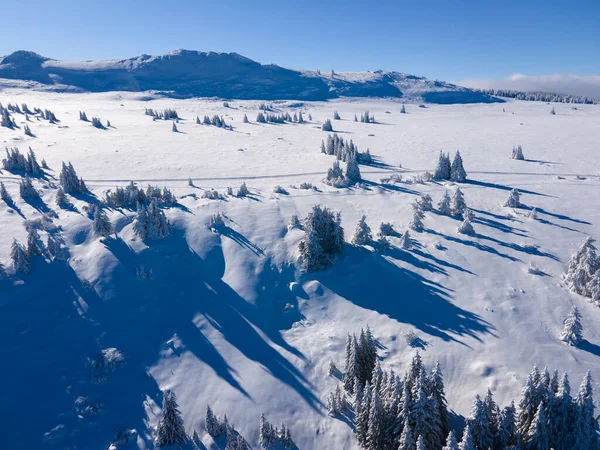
(365, 118)
(6, 120)
(540, 96)
(336, 177)
(97, 123)
(344, 150)
(15, 161)
(514, 199)
(130, 196)
(151, 222)
(324, 239)
(217, 121)
(167, 114)
(583, 273)
(517, 153)
(411, 413)
(450, 171)
(70, 182)
(270, 436)
(9, 122)
(23, 255)
(327, 125)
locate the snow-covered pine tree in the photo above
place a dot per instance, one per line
(513, 200)
(467, 440)
(527, 407)
(583, 267)
(572, 330)
(327, 125)
(457, 171)
(375, 435)
(443, 169)
(243, 190)
(69, 180)
(352, 169)
(170, 428)
(444, 206)
(83, 116)
(26, 189)
(563, 424)
(102, 225)
(362, 234)
(407, 440)
(587, 432)
(245, 119)
(336, 116)
(416, 224)
(403, 109)
(406, 242)
(300, 118)
(174, 128)
(4, 195)
(479, 424)
(537, 435)
(19, 257)
(33, 246)
(324, 239)
(426, 203)
(212, 425)
(466, 227)
(436, 386)
(553, 112)
(458, 203)
(266, 433)
(517, 153)
(351, 364)
(451, 443)
(362, 417)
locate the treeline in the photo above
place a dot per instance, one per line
(539, 96)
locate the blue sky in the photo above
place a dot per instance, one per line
(450, 40)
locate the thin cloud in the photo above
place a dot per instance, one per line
(584, 85)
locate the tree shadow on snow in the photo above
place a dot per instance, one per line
(503, 187)
(373, 282)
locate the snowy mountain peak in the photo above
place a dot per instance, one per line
(189, 73)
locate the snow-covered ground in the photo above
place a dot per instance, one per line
(228, 320)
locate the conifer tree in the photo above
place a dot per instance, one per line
(102, 225)
(406, 242)
(563, 425)
(170, 426)
(19, 258)
(351, 365)
(444, 207)
(327, 125)
(572, 331)
(586, 434)
(537, 436)
(421, 443)
(33, 247)
(443, 169)
(174, 128)
(352, 169)
(362, 234)
(458, 203)
(26, 189)
(362, 417)
(457, 171)
(527, 407)
(451, 443)
(513, 200)
(426, 203)
(416, 224)
(583, 267)
(467, 440)
(4, 195)
(466, 227)
(245, 120)
(407, 441)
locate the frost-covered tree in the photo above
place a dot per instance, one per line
(33, 246)
(335, 176)
(451, 443)
(70, 182)
(266, 433)
(245, 119)
(327, 125)
(444, 206)
(537, 435)
(56, 251)
(506, 433)
(479, 424)
(587, 432)
(426, 203)
(362, 415)
(416, 224)
(406, 242)
(352, 169)
(102, 225)
(517, 153)
(527, 407)
(362, 234)
(443, 169)
(458, 203)
(150, 222)
(467, 440)
(4, 195)
(572, 330)
(351, 365)
(403, 109)
(513, 200)
(243, 190)
(438, 392)
(386, 229)
(323, 241)
(83, 116)
(27, 131)
(407, 440)
(26, 189)
(457, 171)
(170, 428)
(336, 116)
(61, 198)
(174, 128)
(18, 254)
(375, 434)
(583, 268)
(466, 227)
(553, 112)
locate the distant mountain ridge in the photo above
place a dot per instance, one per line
(187, 73)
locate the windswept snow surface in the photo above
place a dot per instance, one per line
(227, 319)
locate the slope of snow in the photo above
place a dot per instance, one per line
(228, 320)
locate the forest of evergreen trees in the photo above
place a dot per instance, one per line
(539, 96)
